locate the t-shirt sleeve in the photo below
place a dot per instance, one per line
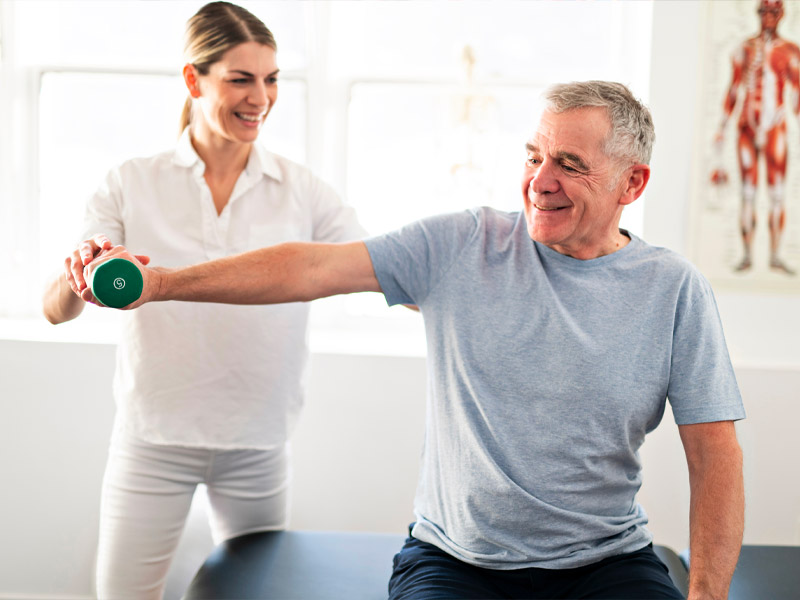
(702, 383)
(410, 261)
(103, 212)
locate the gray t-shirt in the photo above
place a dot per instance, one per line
(545, 374)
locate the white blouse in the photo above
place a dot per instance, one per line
(212, 375)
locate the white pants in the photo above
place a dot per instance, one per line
(147, 493)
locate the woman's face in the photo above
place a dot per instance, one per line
(236, 95)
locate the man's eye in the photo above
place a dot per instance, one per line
(532, 160)
(239, 81)
(272, 80)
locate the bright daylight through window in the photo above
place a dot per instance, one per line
(407, 108)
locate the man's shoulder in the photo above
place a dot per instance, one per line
(495, 215)
(493, 219)
(493, 228)
(662, 259)
(479, 227)
(483, 218)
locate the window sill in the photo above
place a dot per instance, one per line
(30, 329)
(361, 340)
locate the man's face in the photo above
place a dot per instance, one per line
(770, 12)
(573, 192)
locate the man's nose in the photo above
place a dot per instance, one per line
(545, 180)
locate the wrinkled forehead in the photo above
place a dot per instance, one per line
(579, 130)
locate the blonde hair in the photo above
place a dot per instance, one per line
(211, 32)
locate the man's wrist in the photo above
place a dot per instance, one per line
(161, 284)
(702, 589)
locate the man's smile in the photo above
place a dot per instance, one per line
(547, 208)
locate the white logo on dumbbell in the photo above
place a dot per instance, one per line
(119, 283)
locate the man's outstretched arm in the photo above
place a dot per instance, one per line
(716, 517)
(290, 272)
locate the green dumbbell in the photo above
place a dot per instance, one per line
(116, 283)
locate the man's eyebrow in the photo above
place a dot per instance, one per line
(574, 159)
(571, 157)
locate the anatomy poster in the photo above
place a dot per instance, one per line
(746, 181)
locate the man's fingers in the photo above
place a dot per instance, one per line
(86, 296)
(145, 260)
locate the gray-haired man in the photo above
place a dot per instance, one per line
(554, 340)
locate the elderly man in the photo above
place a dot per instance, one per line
(554, 341)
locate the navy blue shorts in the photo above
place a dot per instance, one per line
(423, 572)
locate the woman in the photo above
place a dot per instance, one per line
(205, 393)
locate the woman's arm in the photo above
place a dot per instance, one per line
(62, 294)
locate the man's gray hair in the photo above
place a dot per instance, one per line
(631, 135)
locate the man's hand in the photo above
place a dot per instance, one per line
(150, 277)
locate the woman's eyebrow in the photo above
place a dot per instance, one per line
(248, 74)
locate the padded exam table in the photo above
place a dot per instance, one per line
(310, 565)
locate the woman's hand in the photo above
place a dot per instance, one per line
(86, 251)
(66, 293)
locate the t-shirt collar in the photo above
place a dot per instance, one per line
(579, 263)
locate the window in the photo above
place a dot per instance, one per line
(406, 108)
(97, 139)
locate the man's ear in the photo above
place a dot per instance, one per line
(191, 80)
(638, 176)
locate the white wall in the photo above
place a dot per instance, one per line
(356, 449)
(355, 457)
(762, 331)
